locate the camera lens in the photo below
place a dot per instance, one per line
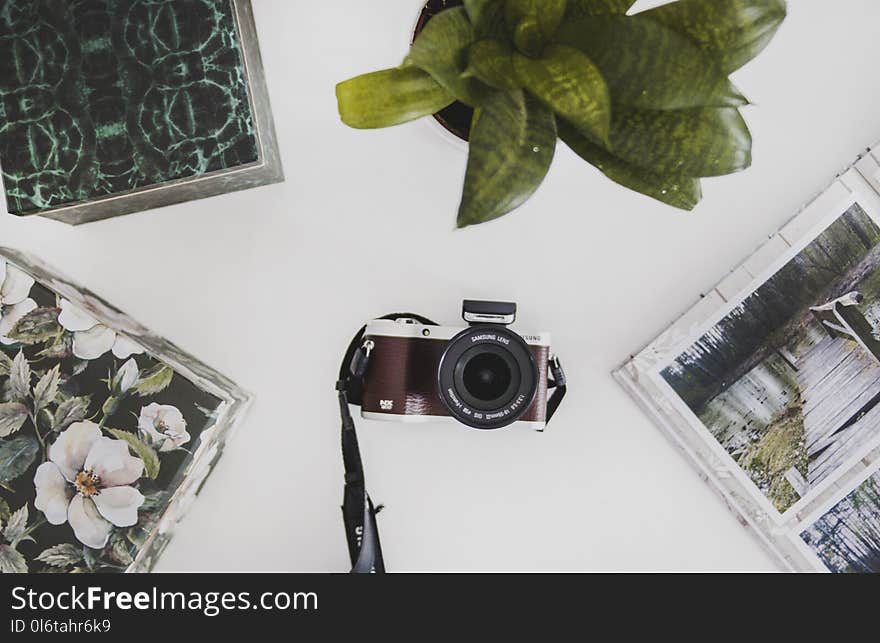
(484, 376)
(487, 377)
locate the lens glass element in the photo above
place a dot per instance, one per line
(486, 376)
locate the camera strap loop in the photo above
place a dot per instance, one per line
(358, 511)
(558, 385)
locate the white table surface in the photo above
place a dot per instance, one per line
(268, 286)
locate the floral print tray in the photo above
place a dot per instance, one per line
(107, 432)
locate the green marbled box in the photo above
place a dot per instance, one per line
(113, 106)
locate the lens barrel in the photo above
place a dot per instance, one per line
(487, 377)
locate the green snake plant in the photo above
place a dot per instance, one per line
(645, 98)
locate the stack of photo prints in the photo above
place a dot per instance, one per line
(770, 385)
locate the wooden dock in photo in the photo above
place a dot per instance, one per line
(839, 381)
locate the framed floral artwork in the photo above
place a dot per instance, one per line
(106, 431)
(114, 107)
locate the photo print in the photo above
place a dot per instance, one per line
(788, 381)
(847, 538)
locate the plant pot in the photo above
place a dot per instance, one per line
(455, 119)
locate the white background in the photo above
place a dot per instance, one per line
(269, 285)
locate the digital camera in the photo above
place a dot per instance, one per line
(485, 375)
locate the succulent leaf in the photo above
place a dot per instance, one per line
(678, 191)
(533, 23)
(568, 83)
(492, 62)
(698, 142)
(650, 66)
(487, 17)
(528, 37)
(580, 8)
(478, 9)
(513, 140)
(441, 49)
(734, 31)
(390, 97)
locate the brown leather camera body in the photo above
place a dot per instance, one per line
(402, 382)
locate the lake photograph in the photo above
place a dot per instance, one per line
(788, 382)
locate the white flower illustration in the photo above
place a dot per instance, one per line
(125, 378)
(99, 309)
(91, 338)
(86, 483)
(15, 286)
(163, 426)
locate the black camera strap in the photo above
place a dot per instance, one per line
(358, 511)
(557, 386)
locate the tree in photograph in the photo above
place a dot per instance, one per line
(757, 327)
(847, 538)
